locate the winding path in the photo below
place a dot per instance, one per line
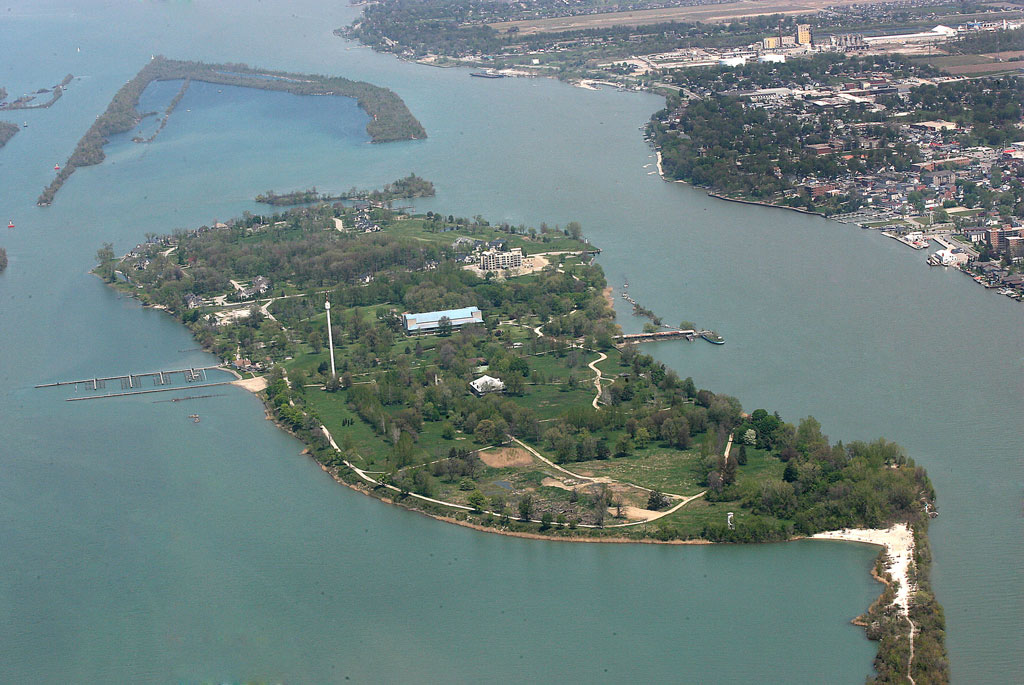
(597, 378)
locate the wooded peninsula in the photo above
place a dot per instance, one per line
(390, 119)
(508, 403)
(412, 186)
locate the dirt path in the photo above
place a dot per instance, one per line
(597, 378)
(659, 514)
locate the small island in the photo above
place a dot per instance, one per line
(28, 101)
(390, 119)
(475, 373)
(7, 131)
(412, 186)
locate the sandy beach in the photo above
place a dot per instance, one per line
(898, 542)
(257, 384)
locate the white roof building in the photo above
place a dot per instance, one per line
(486, 384)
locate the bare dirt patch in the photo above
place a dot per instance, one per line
(506, 457)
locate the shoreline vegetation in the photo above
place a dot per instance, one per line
(580, 439)
(7, 131)
(3, 259)
(412, 186)
(390, 119)
(25, 101)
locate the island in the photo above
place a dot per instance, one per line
(7, 131)
(390, 119)
(412, 186)
(475, 373)
(3, 259)
(28, 101)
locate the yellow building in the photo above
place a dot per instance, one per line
(803, 34)
(771, 42)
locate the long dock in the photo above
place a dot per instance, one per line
(146, 392)
(688, 334)
(130, 381)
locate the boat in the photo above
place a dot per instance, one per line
(56, 167)
(486, 74)
(712, 337)
(10, 224)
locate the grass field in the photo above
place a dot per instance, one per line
(991, 63)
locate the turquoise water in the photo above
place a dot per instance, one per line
(138, 546)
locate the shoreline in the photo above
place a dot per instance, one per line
(898, 544)
(719, 196)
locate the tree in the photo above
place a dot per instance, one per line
(477, 500)
(525, 506)
(741, 458)
(545, 520)
(316, 341)
(444, 327)
(657, 500)
(623, 446)
(486, 432)
(642, 439)
(104, 256)
(729, 471)
(574, 230)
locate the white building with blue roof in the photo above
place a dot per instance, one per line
(428, 322)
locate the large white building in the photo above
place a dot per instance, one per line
(496, 260)
(428, 322)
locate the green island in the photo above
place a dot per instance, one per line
(478, 376)
(390, 119)
(412, 186)
(7, 131)
(26, 101)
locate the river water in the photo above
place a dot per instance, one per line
(138, 546)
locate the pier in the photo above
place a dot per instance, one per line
(133, 383)
(688, 334)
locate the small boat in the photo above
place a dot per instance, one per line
(10, 224)
(56, 167)
(486, 74)
(712, 337)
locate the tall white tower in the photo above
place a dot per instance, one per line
(330, 337)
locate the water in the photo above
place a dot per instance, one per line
(138, 546)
